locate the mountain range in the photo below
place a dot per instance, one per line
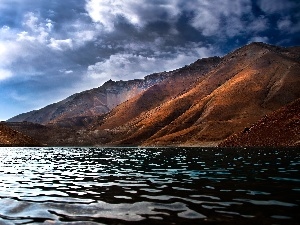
(213, 101)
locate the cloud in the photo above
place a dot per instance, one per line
(218, 17)
(17, 97)
(278, 6)
(4, 29)
(206, 21)
(61, 44)
(9, 51)
(4, 74)
(259, 39)
(127, 66)
(286, 25)
(42, 30)
(137, 13)
(204, 16)
(66, 71)
(259, 24)
(69, 71)
(31, 21)
(35, 30)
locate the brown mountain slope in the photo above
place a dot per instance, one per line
(10, 137)
(280, 128)
(246, 85)
(177, 83)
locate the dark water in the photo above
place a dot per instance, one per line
(149, 186)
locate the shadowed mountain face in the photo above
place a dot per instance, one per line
(200, 104)
(280, 128)
(10, 137)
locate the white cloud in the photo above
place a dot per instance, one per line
(83, 33)
(138, 13)
(6, 33)
(69, 71)
(5, 28)
(211, 18)
(35, 30)
(49, 25)
(121, 65)
(107, 11)
(9, 51)
(40, 30)
(5, 74)
(24, 36)
(218, 17)
(206, 21)
(61, 44)
(129, 66)
(66, 71)
(31, 21)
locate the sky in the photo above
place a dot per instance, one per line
(51, 49)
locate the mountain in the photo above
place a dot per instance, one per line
(200, 104)
(280, 128)
(70, 128)
(177, 83)
(10, 137)
(92, 102)
(245, 85)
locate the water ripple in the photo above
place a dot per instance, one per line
(169, 185)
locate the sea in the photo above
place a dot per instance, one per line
(149, 186)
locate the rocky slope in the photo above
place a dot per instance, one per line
(246, 85)
(10, 137)
(177, 83)
(280, 128)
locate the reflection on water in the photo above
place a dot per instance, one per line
(149, 186)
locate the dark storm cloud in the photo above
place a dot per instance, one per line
(51, 49)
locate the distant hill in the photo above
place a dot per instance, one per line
(92, 102)
(10, 137)
(280, 128)
(200, 104)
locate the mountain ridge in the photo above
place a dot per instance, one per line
(200, 104)
(90, 102)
